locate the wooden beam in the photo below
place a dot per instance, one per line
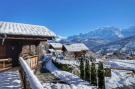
(25, 37)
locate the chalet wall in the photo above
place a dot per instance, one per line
(14, 48)
(2, 51)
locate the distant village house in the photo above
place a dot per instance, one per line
(55, 48)
(75, 50)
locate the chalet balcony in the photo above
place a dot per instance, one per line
(5, 64)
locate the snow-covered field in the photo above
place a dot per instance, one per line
(126, 64)
(74, 81)
(10, 80)
(120, 78)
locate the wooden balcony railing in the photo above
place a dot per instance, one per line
(5, 64)
(29, 80)
(32, 61)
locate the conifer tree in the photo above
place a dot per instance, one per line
(93, 74)
(101, 81)
(87, 70)
(82, 68)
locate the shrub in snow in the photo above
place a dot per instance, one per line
(64, 67)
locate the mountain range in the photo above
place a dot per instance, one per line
(105, 39)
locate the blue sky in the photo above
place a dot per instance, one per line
(68, 17)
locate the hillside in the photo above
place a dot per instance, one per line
(124, 47)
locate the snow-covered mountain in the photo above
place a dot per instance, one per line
(106, 33)
(101, 36)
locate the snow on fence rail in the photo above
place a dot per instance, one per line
(33, 80)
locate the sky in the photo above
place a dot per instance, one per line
(69, 17)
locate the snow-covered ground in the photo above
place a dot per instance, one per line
(65, 86)
(56, 86)
(74, 81)
(126, 64)
(10, 80)
(120, 78)
(70, 62)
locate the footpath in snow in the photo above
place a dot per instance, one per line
(67, 77)
(10, 80)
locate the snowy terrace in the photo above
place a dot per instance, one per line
(10, 80)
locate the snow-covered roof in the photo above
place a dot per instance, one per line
(25, 29)
(77, 47)
(56, 45)
(51, 50)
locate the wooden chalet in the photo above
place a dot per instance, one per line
(21, 40)
(55, 46)
(75, 50)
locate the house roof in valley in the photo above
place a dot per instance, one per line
(77, 47)
(56, 45)
(11, 28)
